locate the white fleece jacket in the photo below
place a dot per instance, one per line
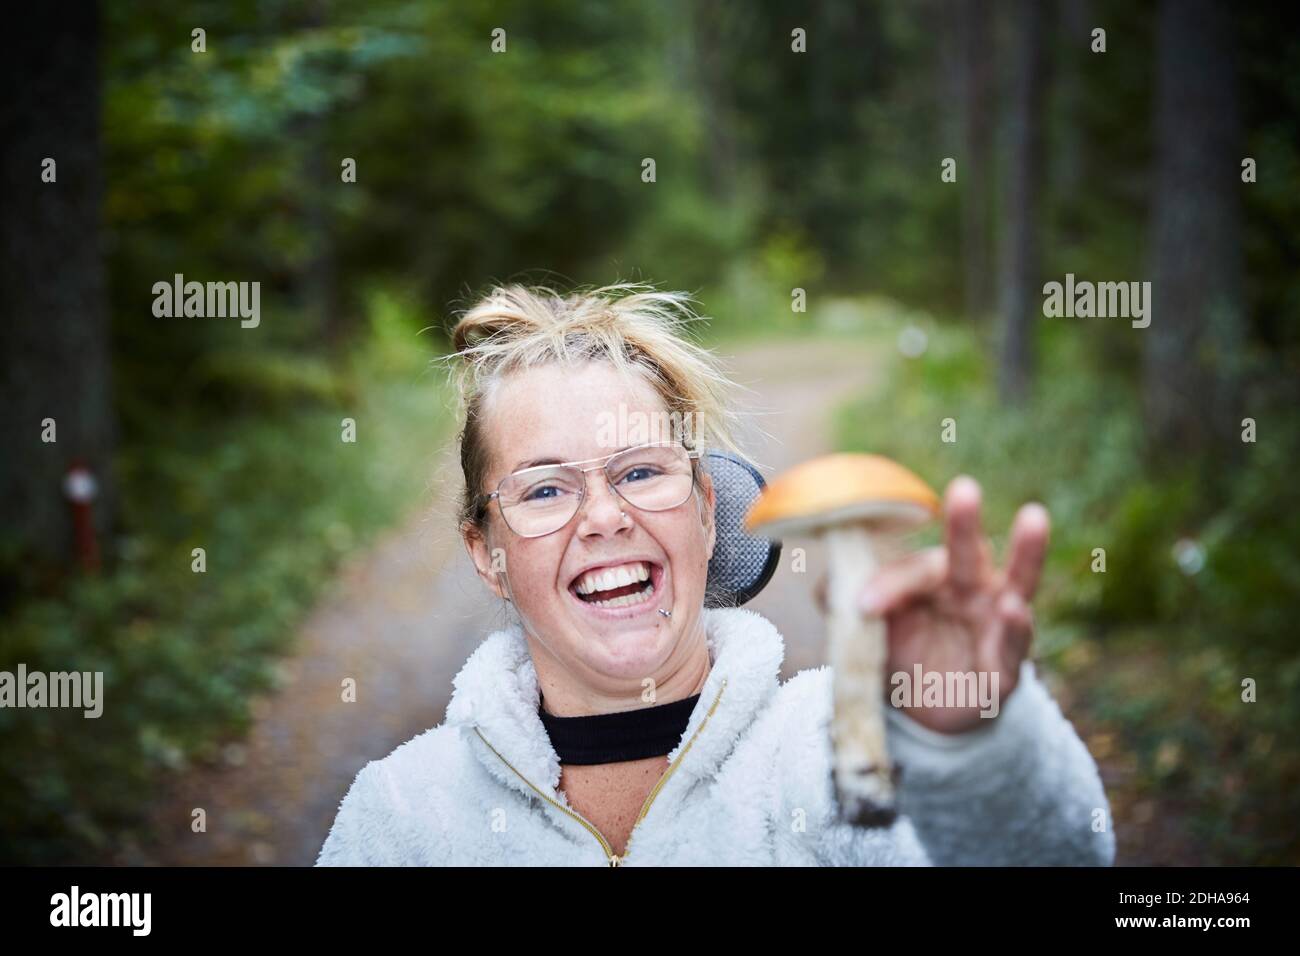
(748, 784)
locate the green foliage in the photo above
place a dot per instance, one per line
(276, 500)
(259, 377)
(775, 171)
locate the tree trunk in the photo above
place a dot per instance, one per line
(1071, 78)
(321, 181)
(56, 362)
(1020, 302)
(713, 31)
(1191, 349)
(976, 57)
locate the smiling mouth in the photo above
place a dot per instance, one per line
(619, 595)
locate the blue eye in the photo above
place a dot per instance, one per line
(535, 494)
(644, 470)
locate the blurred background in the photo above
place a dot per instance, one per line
(798, 191)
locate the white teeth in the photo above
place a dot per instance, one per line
(610, 578)
(626, 599)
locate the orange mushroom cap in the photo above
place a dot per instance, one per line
(842, 489)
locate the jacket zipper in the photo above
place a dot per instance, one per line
(614, 858)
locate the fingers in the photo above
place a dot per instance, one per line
(901, 581)
(1005, 643)
(968, 556)
(1027, 550)
(1017, 628)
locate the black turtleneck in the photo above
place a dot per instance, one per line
(625, 735)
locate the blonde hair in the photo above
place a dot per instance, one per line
(633, 326)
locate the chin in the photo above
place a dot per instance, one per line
(631, 654)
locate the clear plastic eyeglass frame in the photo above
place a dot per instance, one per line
(602, 463)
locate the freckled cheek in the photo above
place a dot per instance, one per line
(691, 560)
(536, 574)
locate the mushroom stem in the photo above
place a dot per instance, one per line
(863, 773)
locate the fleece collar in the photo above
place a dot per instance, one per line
(497, 694)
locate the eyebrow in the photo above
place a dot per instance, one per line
(535, 462)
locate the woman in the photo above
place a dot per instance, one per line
(620, 721)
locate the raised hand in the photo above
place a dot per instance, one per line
(951, 609)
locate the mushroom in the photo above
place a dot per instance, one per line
(861, 505)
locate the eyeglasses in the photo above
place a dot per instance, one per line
(542, 500)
